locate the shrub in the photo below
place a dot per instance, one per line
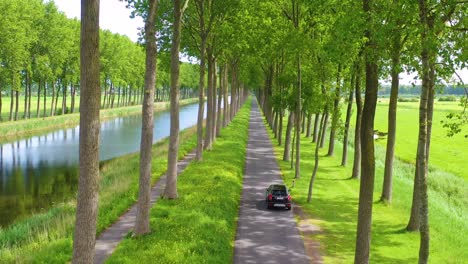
(448, 98)
(407, 100)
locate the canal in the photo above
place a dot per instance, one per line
(40, 171)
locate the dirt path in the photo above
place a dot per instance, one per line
(108, 241)
(264, 236)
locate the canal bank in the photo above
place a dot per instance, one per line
(36, 235)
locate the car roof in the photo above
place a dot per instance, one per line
(278, 187)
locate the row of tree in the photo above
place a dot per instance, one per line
(316, 54)
(416, 90)
(167, 23)
(302, 57)
(39, 63)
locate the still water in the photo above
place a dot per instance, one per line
(39, 171)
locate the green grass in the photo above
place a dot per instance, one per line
(200, 226)
(335, 202)
(447, 153)
(47, 237)
(14, 130)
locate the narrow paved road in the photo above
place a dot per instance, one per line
(264, 236)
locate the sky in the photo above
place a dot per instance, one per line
(115, 17)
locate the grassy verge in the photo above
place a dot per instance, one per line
(23, 128)
(200, 226)
(335, 202)
(47, 237)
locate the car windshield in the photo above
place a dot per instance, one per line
(279, 192)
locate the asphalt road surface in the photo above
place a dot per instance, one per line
(264, 236)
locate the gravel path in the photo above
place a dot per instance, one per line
(264, 236)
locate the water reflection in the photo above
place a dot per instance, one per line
(41, 170)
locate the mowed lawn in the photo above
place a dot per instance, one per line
(335, 203)
(449, 154)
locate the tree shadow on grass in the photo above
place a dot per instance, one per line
(340, 215)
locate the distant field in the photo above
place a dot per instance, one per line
(6, 100)
(446, 153)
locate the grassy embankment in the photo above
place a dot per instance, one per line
(47, 237)
(335, 202)
(23, 128)
(200, 226)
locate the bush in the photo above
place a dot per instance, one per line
(448, 98)
(407, 100)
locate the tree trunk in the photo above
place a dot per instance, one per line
(73, 93)
(64, 100)
(309, 124)
(344, 157)
(12, 102)
(366, 189)
(38, 109)
(44, 106)
(287, 143)
(29, 97)
(113, 95)
(103, 103)
(336, 114)
(25, 112)
(316, 164)
(316, 128)
(324, 128)
(17, 104)
(303, 123)
(275, 124)
(56, 100)
(201, 93)
(225, 94)
(214, 113)
(280, 129)
(428, 60)
(144, 194)
(297, 174)
(220, 97)
(53, 100)
(209, 105)
(392, 111)
(234, 84)
(357, 130)
(88, 183)
(170, 191)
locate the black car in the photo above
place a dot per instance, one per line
(277, 196)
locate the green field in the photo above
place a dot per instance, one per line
(335, 201)
(446, 153)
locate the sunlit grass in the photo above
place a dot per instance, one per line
(447, 153)
(47, 237)
(335, 202)
(200, 226)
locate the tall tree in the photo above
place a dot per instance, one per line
(170, 190)
(87, 200)
(366, 190)
(357, 130)
(144, 195)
